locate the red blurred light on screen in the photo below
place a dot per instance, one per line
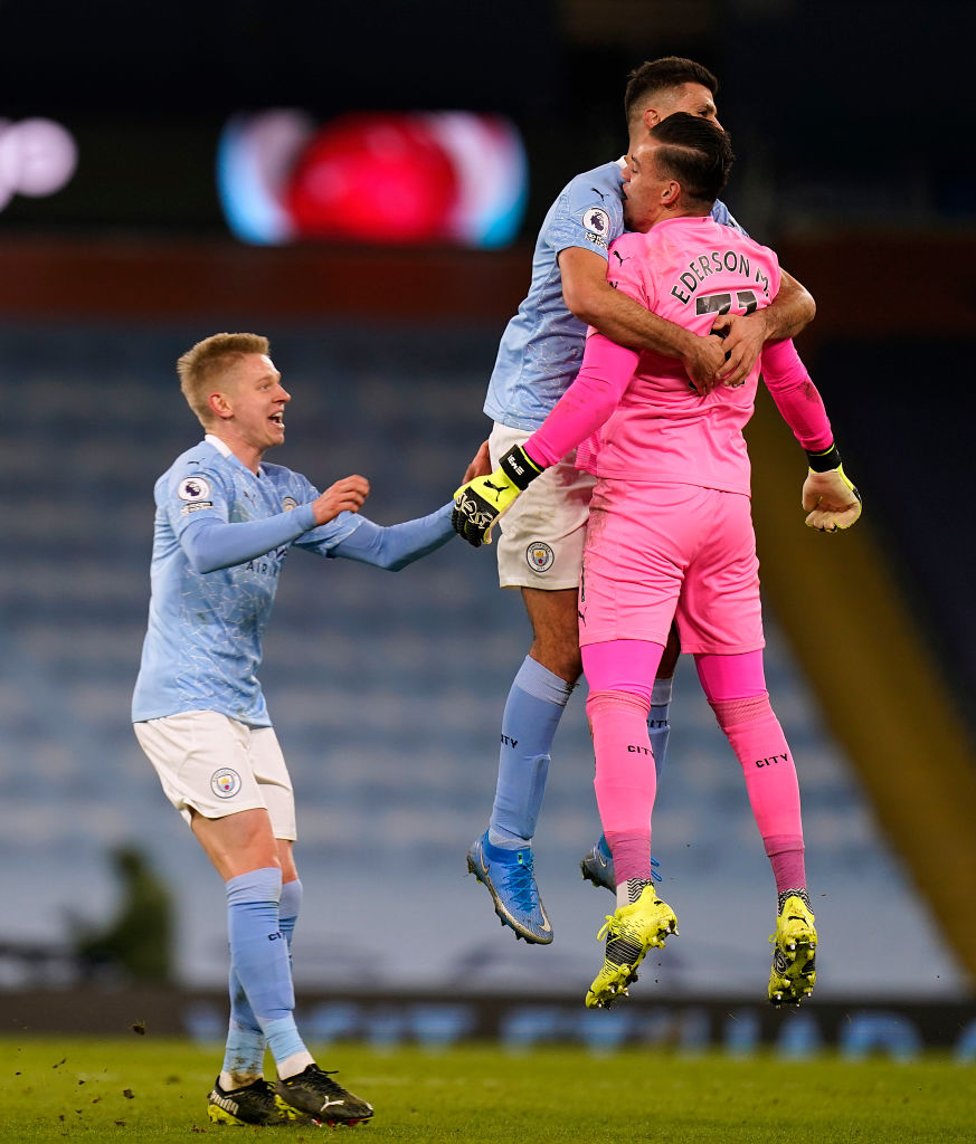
(455, 177)
(372, 176)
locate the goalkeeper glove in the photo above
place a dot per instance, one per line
(479, 503)
(831, 501)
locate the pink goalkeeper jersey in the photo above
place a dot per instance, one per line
(635, 415)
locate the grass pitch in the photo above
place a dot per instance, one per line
(53, 1089)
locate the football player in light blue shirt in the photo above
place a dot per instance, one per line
(222, 534)
(225, 522)
(539, 550)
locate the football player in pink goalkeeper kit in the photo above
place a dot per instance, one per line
(670, 536)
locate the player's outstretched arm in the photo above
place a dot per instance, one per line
(617, 316)
(744, 335)
(394, 546)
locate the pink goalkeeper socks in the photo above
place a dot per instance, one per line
(760, 746)
(625, 781)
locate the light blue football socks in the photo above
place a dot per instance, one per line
(536, 701)
(246, 1042)
(260, 960)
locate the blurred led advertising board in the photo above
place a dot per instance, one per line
(449, 178)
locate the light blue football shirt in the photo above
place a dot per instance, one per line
(204, 639)
(542, 347)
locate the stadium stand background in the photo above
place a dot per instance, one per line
(387, 691)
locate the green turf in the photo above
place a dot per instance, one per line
(60, 1088)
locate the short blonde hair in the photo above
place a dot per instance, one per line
(206, 363)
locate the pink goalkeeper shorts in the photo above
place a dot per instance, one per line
(656, 552)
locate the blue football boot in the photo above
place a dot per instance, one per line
(508, 877)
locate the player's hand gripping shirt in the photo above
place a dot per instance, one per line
(213, 588)
(541, 350)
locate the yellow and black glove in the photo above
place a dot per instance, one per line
(831, 501)
(479, 503)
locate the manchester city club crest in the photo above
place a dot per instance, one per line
(540, 556)
(225, 783)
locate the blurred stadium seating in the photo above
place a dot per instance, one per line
(386, 691)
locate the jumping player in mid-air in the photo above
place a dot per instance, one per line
(670, 537)
(541, 542)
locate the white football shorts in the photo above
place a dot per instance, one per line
(540, 539)
(219, 766)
